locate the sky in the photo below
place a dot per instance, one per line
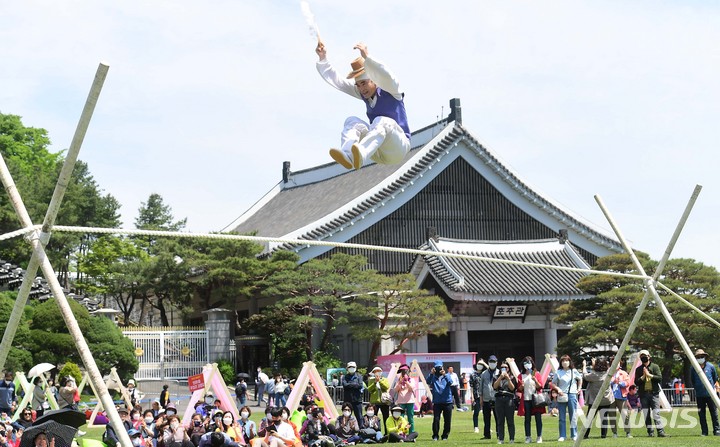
(204, 101)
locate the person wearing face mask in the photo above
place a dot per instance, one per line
(504, 386)
(135, 437)
(260, 383)
(216, 421)
(230, 428)
(353, 388)
(620, 383)
(405, 392)
(371, 422)
(147, 429)
(285, 417)
(196, 428)
(487, 399)
(315, 431)
(7, 394)
(248, 427)
(347, 428)
(647, 379)
(377, 385)
(170, 410)
(567, 382)
(440, 385)
(279, 433)
(529, 384)
(174, 435)
(475, 382)
(702, 394)
(398, 428)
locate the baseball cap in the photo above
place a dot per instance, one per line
(133, 432)
(492, 359)
(438, 363)
(352, 365)
(644, 352)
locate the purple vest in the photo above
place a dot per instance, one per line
(390, 107)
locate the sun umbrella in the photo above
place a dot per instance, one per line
(63, 434)
(39, 369)
(243, 375)
(65, 416)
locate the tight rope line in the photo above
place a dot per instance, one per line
(20, 232)
(136, 232)
(691, 305)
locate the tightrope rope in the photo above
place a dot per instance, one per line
(689, 304)
(261, 239)
(20, 232)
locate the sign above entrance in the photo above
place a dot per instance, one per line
(512, 311)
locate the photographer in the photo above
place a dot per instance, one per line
(440, 385)
(405, 392)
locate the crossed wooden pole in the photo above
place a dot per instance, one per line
(39, 239)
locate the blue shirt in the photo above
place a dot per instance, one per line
(7, 395)
(710, 373)
(440, 386)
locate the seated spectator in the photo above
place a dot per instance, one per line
(314, 430)
(147, 429)
(347, 428)
(426, 406)
(398, 427)
(278, 433)
(174, 435)
(25, 420)
(248, 427)
(231, 428)
(371, 430)
(633, 400)
(196, 429)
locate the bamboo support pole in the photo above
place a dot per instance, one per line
(649, 282)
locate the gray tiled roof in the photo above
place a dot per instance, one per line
(491, 281)
(319, 209)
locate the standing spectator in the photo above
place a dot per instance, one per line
(377, 385)
(702, 394)
(53, 389)
(66, 394)
(398, 428)
(455, 387)
(406, 394)
(278, 388)
(647, 379)
(353, 387)
(595, 380)
(241, 392)
(488, 377)
(567, 382)
(620, 384)
(164, 397)
(529, 384)
(39, 401)
(135, 394)
(504, 387)
(8, 400)
(464, 380)
(476, 391)
(633, 399)
(262, 380)
(442, 398)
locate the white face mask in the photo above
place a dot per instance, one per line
(528, 366)
(137, 442)
(351, 370)
(492, 365)
(347, 414)
(136, 417)
(170, 412)
(284, 416)
(370, 413)
(503, 370)
(149, 420)
(480, 366)
(227, 421)
(310, 416)
(701, 360)
(566, 364)
(396, 414)
(244, 415)
(175, 425)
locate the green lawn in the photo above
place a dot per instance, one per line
(462, 433)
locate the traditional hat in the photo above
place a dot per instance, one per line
(358, 68)
(700, 353)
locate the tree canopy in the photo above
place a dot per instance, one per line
(599, 324)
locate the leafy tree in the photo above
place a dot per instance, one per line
(600, 323)
(397, 310)
(50, 340)
(71, 369)
(19, 358)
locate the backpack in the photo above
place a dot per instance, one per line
(240, 390)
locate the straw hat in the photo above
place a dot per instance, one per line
(700, 353)
(358, 68)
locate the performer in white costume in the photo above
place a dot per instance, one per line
(386, 139)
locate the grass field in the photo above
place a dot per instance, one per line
(462, 433)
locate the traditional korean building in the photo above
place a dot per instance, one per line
(452, 186)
